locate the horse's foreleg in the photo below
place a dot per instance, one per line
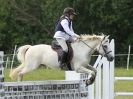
(82, 69)
(91, 74)
(92, 68)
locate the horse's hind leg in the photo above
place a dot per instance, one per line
(26, 69)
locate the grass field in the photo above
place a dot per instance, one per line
(124, 86)
(40, 74)
(48, 74)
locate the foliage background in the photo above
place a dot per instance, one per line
(32, 21)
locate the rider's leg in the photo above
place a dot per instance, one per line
(63, 44)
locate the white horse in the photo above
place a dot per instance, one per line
(33, 56)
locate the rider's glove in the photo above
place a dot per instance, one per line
(76, 37)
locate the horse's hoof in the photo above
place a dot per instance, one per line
(90, 81)
(87, 83)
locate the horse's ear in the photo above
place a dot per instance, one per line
(107, 36)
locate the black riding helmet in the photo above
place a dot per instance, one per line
(69, 11)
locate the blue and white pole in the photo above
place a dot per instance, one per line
(1, 76)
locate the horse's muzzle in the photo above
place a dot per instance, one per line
(110, 58)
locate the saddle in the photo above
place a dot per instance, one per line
(56, 47)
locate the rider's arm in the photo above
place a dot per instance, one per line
(71, 27)
(65, 25)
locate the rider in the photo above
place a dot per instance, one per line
(64, 31)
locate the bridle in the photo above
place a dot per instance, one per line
(92, 49)
(104, 49)
(106, 53)
(101, 45)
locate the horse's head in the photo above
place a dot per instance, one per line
(99, 43)
(104, 48)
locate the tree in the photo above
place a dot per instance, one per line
(33, 21)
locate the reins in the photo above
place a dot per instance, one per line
(95, 49)
(92, 49)
(99, 48)
(87, 45)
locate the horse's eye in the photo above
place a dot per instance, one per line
(105, 46)
(107, 41)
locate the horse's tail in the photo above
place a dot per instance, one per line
(21, 52)
(21, 57)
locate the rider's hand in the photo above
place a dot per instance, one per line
(77, 38)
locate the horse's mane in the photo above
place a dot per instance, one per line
(92, 37)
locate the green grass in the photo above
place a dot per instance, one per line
(49, 74)
(124, 86)
(123, 72)
(40, 74)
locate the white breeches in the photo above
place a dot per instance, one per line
(63, 44)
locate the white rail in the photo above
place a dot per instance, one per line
(124, 78)
(124, 93)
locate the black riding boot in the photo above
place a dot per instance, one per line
(63, 59)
